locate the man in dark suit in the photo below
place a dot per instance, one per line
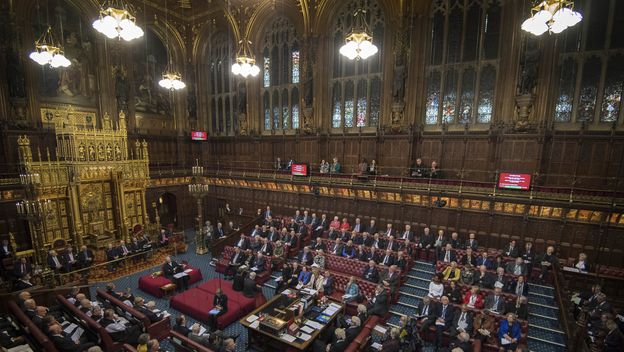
(441, 319)
(495, 302)
(139, 304)
(371, 273)
(306, 219)
(6, 250)
(69, 259)
(220, 304)
(243, 242)
(388, 259)
(323, 225)
(516, 268)
(462, 322)
(469, 258)
(180, 325)
(21, 268)
(64, 343)
(447, 255)
(423, 311)
(85, 257)
(407, 234)
(250, 288)
(219, 231)
(377, 242)
(511, 249)
(391, 244)
(274, 235)
(267, 213)
(112, 254)
(318, 244)
(471, 242)
(344, 235)
(22, 283)
(378, 304)
(353, 330)
(482, 278)
(365, 255)
(54, 262)
(367, 239)
(389, 230)
(372, 227)
(358, 227)
(336, 248)
(258, 263)
(426, 242)
(237, 259)
(305, 256)
(266, 248)
(171, 268)
(390, 279)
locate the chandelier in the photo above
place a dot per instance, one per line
(171, 80)
(48, 51)
(551, 15)
(359, 44)
(245, 64)
(117, 21)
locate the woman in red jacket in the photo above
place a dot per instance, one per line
(473, 298)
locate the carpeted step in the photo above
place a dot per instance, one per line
(409, 301)
(536, 345)
(555, 339)
(417, 292)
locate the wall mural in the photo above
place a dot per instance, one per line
(75, 84)
(149, 61)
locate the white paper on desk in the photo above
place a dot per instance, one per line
(376, 345)
(286, 292)
(77, 334)
(70, 328)
(307, 329)
(252, 318)
(299, 286)
(576, 300)
(309, 291)
(179, 275)
(504, 341)
(380, 329)
(330, 311)
(278, 279)
(202, 330)
(166, 314)
(304, 337)
(313, 324)
(288, 338)
(188, 270)
(439, 323)
(255, 324)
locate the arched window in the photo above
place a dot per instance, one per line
(223, 86)
(463, 61)
(591, 65)
(360, 80)
(280, 76)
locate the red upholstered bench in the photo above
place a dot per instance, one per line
(246, 304)
(151, 284)
(183, 343)
(196, 303)
(35, 333)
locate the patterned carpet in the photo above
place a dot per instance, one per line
(545, 334)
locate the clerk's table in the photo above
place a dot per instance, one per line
(290, 321)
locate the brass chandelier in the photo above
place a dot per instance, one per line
(553, 16)
(117, 21)
(358, 43)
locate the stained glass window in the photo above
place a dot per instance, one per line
(612, 95)
(375, 102)
(589, 89)
(267, 71)
(281, 72)
(450, 97)
(464, 40)
(467, 96)
(295, 108)
(337, 106)
(567, 81)
(486, 95)
(267, 111)
(433, 98)
(295, 66)
(349, 108)
(359, 106)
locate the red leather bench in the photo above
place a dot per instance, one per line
(183, 343)
(158, 330)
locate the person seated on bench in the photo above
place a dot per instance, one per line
(54, 261)
(65, 343)
(219, 307)
(239, 279)
(371, 273)
(171, 268)
(319, 258)
(237, 259)
(352, 291)
(509, 333)
(304, 277)
(250, 288)
(141, 306)
(194, 335)
(23, 283)
(378, 303)
(180, 325)
(119, 331)
(258, 263)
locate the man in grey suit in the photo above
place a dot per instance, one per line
(195, 336)
(495, 302)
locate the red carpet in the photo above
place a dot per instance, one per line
(197, 302)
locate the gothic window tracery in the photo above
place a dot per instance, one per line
(223, 102)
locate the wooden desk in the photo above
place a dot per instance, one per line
(267, 341)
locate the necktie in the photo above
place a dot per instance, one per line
(517, 271)
(443, 311)
(235, 257)
(386, 259)
(463, 317)
(125, 250)
(405, 235)
(495, 302)
(56, 262)
(425, 310)
(519, 290)
(23, 268)
(447, 256)
(389, 245)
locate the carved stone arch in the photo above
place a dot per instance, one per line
(176, 49)
(328, 11)
(265, 16)
(206, 34)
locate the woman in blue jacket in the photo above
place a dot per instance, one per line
(509, 333)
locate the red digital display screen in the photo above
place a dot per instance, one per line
(509, 180)
(199, 135)
(299, 169)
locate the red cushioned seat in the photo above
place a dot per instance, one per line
(246, 304)
(152, 284)
(197, 303)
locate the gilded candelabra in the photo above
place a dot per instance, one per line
(198, 189)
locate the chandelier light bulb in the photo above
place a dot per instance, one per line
(359, 44)
(245, 63)
(554, 16)
(171, 80)
(49, 52)
(117, 21)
